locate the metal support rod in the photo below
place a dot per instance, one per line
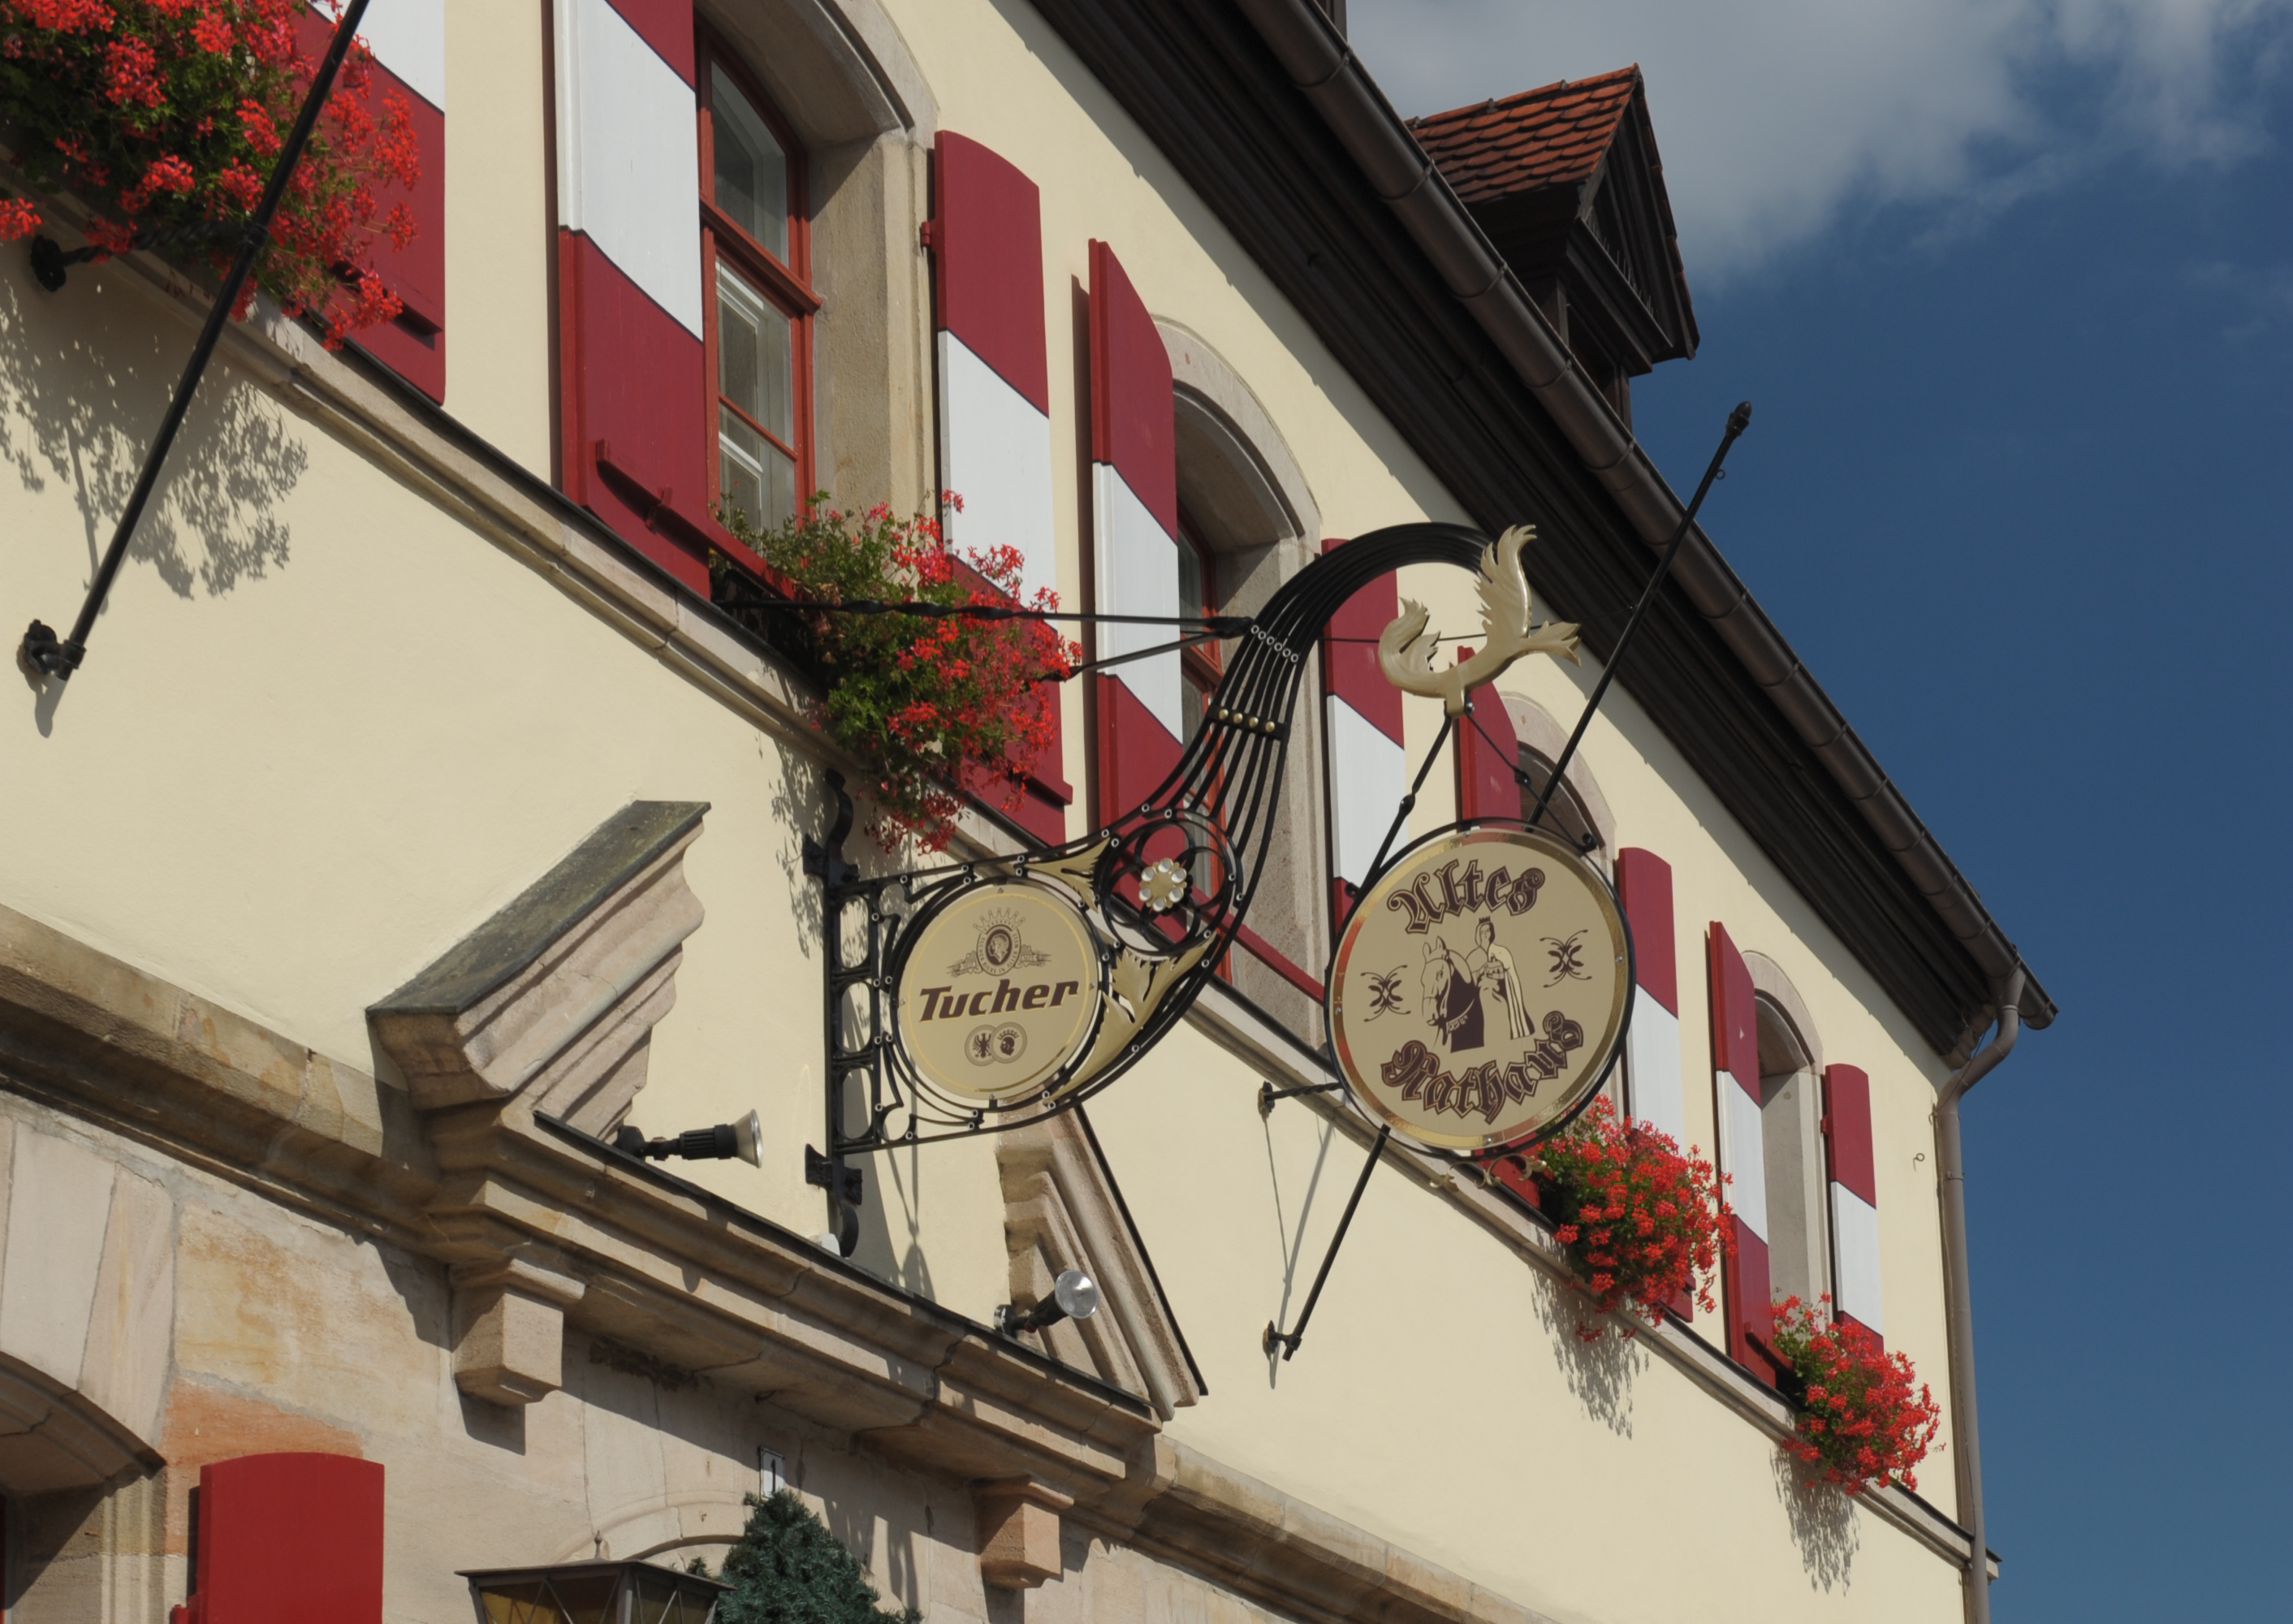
(1401, 812)
(1268, 1093)
(1738, 420)
(1288, 1341)
(1137, 653)
(41, 649)
(1211, 625)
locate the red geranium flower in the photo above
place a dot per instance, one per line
(1642, 1223)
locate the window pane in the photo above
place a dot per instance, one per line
(756, 478)
(1194, 589)
(751, 168)
(754, 368)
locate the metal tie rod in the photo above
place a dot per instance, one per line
(42, 650)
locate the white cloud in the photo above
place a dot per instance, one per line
(1773, 115)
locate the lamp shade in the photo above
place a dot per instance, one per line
(593, 1593)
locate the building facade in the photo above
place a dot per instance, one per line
(420, 818)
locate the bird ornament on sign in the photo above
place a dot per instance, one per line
(1405, 649)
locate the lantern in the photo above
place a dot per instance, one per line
(593, 1593)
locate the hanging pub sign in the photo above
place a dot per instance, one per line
(1481, 989)
(1000, 991)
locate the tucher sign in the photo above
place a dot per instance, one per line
(1481, 989)
(1000, 992)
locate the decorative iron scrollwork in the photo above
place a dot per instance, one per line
(1160, 890)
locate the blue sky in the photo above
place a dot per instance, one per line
(2011, 287)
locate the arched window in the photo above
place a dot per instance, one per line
(1200, 666)
(1565, 815)
(755, 255)
(1791, 1118)
(1579, 812)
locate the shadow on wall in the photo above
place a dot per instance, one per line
(85, 378)
(1599, 1371)
(1822, 1522)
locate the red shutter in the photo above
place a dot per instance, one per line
(1368, 770)
(1854, 1193)
(1135, 526)
(1652, 1063)
(1488, 757)
(287, 1540)
(994, 395)
(633, 424)
(409, 64)
(987, 264)
(1736, 1080)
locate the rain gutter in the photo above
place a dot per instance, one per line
(1325, 69)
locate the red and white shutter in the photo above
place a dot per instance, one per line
(1736, 1080)
(1369, 770)
(1134, 491)
(1854, 1189)
(634, 447)
(994, 377)
(408, 38)
(1652, 1067)
(1488, 757)
(986, 239)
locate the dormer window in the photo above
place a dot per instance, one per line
(1567, 182)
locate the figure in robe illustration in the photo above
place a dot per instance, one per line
(1453, 999)
(1498, 977)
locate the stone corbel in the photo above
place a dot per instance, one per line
(1019, 1521)
(509, 1325)
(555, 997)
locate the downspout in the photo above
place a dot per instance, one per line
(1958, 1293)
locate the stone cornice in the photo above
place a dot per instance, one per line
(546, 1214)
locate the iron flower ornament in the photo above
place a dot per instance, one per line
(1163, 886)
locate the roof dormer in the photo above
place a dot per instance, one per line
(1566, 180)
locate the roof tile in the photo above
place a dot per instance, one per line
(1553, 136)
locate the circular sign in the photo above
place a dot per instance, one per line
(1480, 987)
(1000, 990)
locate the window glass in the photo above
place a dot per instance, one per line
(1198, 666)
(752, 179)
(755, 377)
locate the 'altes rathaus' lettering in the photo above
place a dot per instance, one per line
(1482, 1090)
(1438, 893)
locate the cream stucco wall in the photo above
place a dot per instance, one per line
(498, 232)
(326, 729)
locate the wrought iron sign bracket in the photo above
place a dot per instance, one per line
(1108, 939)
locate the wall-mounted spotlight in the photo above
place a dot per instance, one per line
(743, 1139)
(1074, 1296)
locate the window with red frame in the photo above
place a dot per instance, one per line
(1199, 665)
(756, 252)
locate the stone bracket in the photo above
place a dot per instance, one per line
(1019, 1521)
(509, 1325)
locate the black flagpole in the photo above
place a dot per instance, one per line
(41, 649)
(1738, 420)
